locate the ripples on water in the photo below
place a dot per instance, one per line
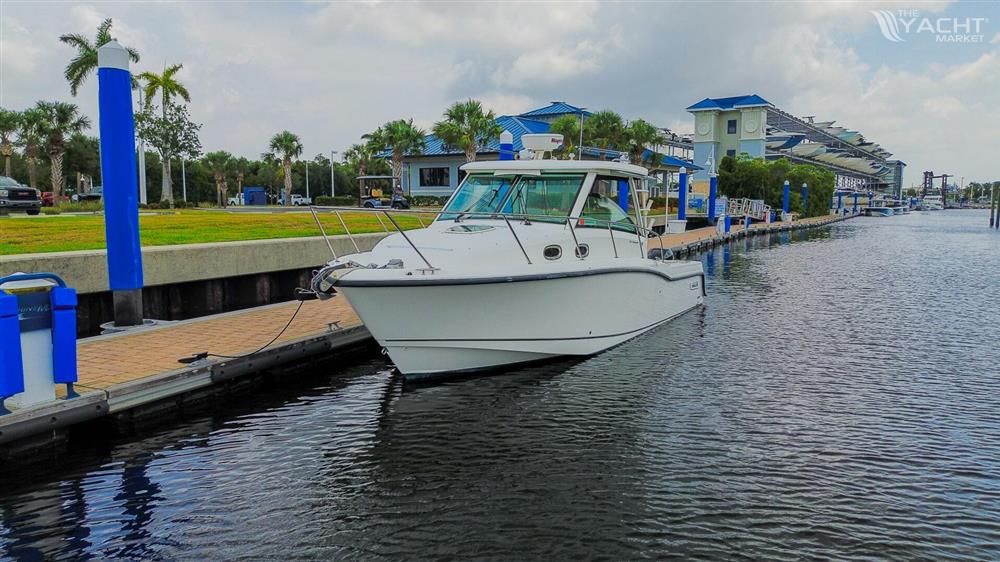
(837, 398)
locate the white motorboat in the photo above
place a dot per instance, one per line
(529, 259)
(932, 203)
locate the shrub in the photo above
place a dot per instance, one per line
(336, 201)
(428, 200)
(81, 206)
(50, 211)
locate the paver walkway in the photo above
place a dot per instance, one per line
(119, 358)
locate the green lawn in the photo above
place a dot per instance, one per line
(86, 232)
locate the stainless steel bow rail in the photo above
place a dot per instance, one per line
(523, 218)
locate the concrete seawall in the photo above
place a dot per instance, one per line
(192, 280)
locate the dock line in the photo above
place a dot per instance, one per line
(206, 354)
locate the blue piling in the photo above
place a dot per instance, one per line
(805, 199)
(506, 145)
(786, 195)
(855, 201)
(729, 223)
(118, 170)
(713, 192)
(682, 194)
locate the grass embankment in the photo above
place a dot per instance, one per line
(86, 232)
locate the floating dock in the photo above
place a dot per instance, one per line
(129, 372)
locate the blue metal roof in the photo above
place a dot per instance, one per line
(555, 108)
(729, 103)
(515, 124)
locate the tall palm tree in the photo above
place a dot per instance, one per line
(399, 137)
(285, 146)
(360, 156)
(605, 130)
(59, 120)
(467, 127)
(9, 123)
(640, 135)
(569, 127)
(167, 86)
(85, 61)
(220, 162)
(29, 136)
(240, 164)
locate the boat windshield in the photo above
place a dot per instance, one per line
(547, 195)
(480, 193)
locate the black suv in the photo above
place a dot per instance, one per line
(17, 197)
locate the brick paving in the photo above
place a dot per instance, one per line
(123, 358)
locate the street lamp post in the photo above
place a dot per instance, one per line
(333, 185)
(307, 179)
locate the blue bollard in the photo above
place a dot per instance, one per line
(118, 170)
(855, 202)
(805, 199)
(786, 194)
(729, 223)
(682, 194)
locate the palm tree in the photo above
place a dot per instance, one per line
(85, 61)
(640, 135)
(168, 87)
(569, 127)
(29, 136)
(286, 146)
(59, 120)
(360, 157)
(465, 126)
(9, 123)
(240, 164)
(399, 137)
(605, 130)
(220, 163)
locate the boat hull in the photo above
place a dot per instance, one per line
(456, 325)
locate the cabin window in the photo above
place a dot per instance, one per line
(731, 126)
(602, 205)
(731, 152)
(479, 193)
(548, 195)
(435, 177)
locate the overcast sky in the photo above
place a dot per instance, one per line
(333, 71)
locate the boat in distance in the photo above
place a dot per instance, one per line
(529, 259)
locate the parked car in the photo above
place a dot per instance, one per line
(16, 197)
(95, 194)
(48, 199)
(297, 200)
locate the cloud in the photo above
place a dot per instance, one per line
(333, 71)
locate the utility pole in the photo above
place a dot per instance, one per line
(142, 162)
(333, 184)
(307, 179)
(184, 181)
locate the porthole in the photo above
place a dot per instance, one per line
(582, 251)
(552, 252)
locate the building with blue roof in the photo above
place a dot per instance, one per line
(728, 126)
(436, 170)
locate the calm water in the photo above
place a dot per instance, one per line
(839, 397)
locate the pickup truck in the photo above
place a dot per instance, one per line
(16, 197)
(297, 200)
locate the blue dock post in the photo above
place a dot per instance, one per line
(713, 192)
(118, 169)
(682, 194)
(786, 195)
(855, 202)
(805, 199)
(506, 145)
(840, 201)
(729, 223)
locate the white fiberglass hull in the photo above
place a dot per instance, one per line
(432, 326)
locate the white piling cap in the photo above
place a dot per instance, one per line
(787, 182)
(112, 55)
(506, 137)
(683, 170)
